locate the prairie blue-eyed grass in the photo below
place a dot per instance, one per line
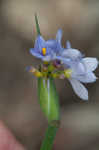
(61, 63)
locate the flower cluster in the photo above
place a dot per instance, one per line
(59, 62)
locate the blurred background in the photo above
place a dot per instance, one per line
(19, 108)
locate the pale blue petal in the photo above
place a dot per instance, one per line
(68, 45)
(81, 68)
(87, 78)
(71, 53)
(51, 43)
(51, 56)
(59, 35)
(36, 54)
(47, 58)
(78, 68)
(90, 63)
(79, 89)
(39, 43)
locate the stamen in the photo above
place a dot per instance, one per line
(44, 51)
(68, 73)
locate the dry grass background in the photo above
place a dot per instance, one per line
(19, 108)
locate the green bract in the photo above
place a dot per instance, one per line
(48, 98)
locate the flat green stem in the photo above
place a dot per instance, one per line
(49, 137)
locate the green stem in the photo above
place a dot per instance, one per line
(49, 137)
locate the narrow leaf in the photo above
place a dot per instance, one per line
(37, 25)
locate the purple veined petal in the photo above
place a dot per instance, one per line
(39, 43)
(90, 63)
(68, 45)
(79, 89)
(87, 78)
(36, 54)
(59, 35)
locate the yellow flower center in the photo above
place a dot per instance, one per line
(68, 73)
(44, 51)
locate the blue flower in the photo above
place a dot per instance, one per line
(81, 70)
(47, 50)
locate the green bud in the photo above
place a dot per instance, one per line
(48, 98)
(51, 68)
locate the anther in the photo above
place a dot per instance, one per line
(44, 51)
